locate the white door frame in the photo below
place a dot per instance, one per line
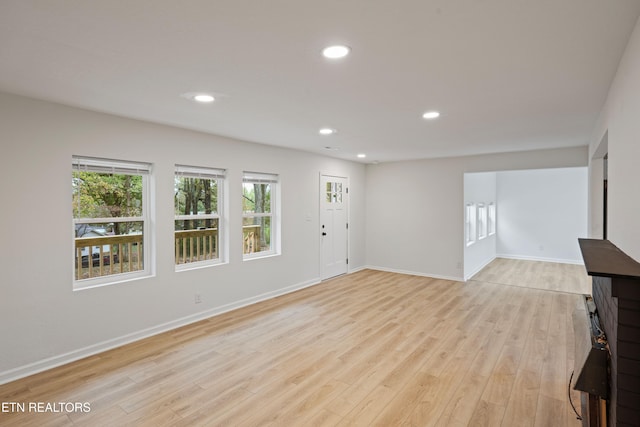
(322, 194)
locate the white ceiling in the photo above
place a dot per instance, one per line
(507, 75)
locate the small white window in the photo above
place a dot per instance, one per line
(111, 221)
(492, 219)
(198, 202)
(470, 223)
(482, 221)
(260, 216)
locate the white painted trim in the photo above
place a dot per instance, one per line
(321, 194)
(414, 273)
(62, 359)
(477, 270)
(355, 270)
(533, 258)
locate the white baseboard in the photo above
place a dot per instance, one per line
(533, 258)
(355, 270)
(62, 359)
(477, 270)
(414, 273)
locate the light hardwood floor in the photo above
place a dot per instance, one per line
(537, 274)
(369, 348)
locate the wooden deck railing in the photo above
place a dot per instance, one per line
(124, 255)
(251, 239)
(196, 245)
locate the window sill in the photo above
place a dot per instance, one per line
(81, 285)
(198, 265)
(260, 255)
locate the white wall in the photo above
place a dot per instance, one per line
(414, 209)
(413, 213)
(43, 322)
(541, 214)
(479, 188)
(619, 121)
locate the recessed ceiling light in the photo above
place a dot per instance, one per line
(203, 97)
(335, 52)
(431, 115)
(362, 156)
(326, 131)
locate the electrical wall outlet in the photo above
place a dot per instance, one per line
(198, 298)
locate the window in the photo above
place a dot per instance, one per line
(334, 192)
(197, 205)
(492, 218)
(470, 223)
(110, 214)
(259, 214)
(482, 221)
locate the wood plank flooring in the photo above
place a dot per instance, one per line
(550, 276)
(370, 348)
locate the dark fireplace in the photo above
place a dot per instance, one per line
(616, 294)
(591, 374)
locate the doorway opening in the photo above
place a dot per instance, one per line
(605, 190)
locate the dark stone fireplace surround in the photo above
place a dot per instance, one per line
(616, 292)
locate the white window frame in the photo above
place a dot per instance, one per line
(212, 174)
(470, 224)
(482, 221)
(93, 164)
(492, 218)
(274, 181)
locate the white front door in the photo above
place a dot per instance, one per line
(333, 225)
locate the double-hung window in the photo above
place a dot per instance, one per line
(110, 201)
(198, 206)
(492, 218)
(260, 219)
(482, 221)
(470, 223)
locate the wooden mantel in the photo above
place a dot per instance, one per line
(603, 258)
